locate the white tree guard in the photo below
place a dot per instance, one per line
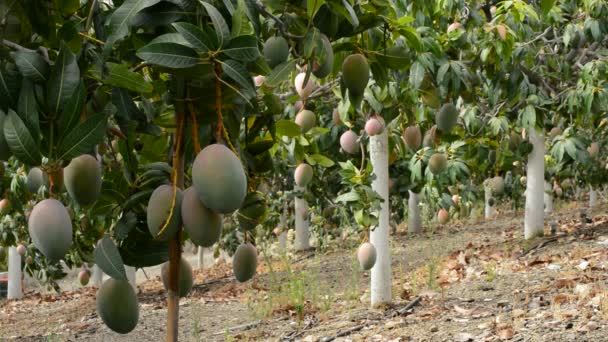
(131, 276)
(414, 219)
(15, 291)
(97, 276)
(489, 209)
(379, 237)
(592, 197)
(302, 241)
(548, 198)
(535, 187)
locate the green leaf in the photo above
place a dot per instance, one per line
(109, 260)
(171, 38)
(120, 76)
(287, 128)
(71, 112)
(194, 35)
(239, 73)
(243, 48)
(322, 160)
(120, 21)
(312, 7)
(63, 80)
(546, 5)
(219, 23)
(416, 75)
(169, 55)
(280, 73)
(9, 88)
(127, 222)
(31, 65)
(83, 137)
(20, 140)
(352, 196)
(28, 108)
(347, 12)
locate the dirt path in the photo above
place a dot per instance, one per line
(471, 283)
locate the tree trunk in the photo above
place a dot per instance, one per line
(414, 220)
(489, 209)
(283, 226)
(15, 291)
(132, 276)
(200, 257)
(381, 272)
(97, 276)
(592, 197)
(548, 197)
(302, 231)
(535, 187)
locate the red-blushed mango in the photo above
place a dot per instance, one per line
(502, 31)
(335, 117)
(21, 249)
(324, 68)
(5, 206)
(306, 120)
(83, 277)
(355, 74)
(219, 179)
(83, 179)
(276, 51)
(366, 254)
(298, 105)
(446, 117)
(373, 127)
(438, 163)
(245, 262)
(253, 210)
(412, 137)
(160, 209)
(348, 142)
(259, 80)
(186, 277)
(117, 305)
(593, 149)
(304, 90)
(455, 199)
(50, 228)
(203, 225)
(454, 26)
(443, 216)
(303, 174)
(555, 131)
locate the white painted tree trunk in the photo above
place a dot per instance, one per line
(414, 219)
(592, 197)
(489, 209)
(131, 276)
(577, 193)
(535, 187)
(381, 272)
(302, 241)
(548, 198)
(97, 276)
(14, 274)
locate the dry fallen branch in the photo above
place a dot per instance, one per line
(406, 309)
(538, 246)
(344, 333)
(242, 327)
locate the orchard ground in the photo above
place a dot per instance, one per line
(472, 281)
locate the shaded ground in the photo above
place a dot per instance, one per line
(470, 283)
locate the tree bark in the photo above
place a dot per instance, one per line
(592, 197)
(548, 198)
(489, 209)
(535, 187)
(15, 291)
(302, 241)
(414, 220)
(381, 272)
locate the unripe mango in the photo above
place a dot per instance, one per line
(366, 254)
(348, 142)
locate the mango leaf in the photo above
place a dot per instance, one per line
(20, 140)
(120, 21)
(120, 76)
(347, 12)
(416, 75)
(546, 5)
(243, 48)
(127, 222)
(9, 88)
(219, 23)
(171, 38)
(71, 112)
(352, 196)
(287, 128)
(322, 160)
(83, 137)
(193, 35)
(312, 7)
(108, 259)
(63, 80)
(28, 108)
(280, 73)
(31, 65)
(170, 55)
(237, 72)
